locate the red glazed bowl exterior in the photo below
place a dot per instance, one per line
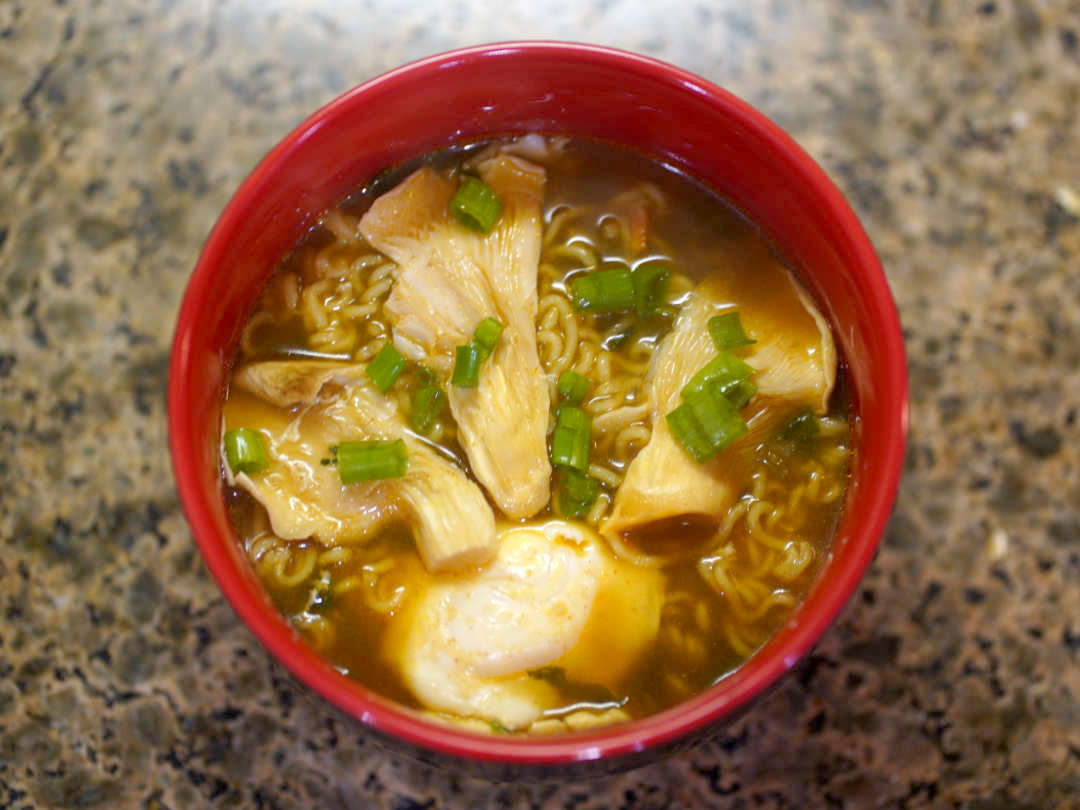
(554, 88)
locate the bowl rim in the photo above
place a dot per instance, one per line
(759, 672)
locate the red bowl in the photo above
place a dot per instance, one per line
(554, 88)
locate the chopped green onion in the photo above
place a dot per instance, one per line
(475, 205)
(572, 387)
(572, 438)
(245, 450)
(469, 356)
(579, 486)
(371, 460)
(740, 393)
(570, 448)
(487, 335)
(603, 290)
(727, 331)
(498, 728)
(467, 360)
(717, 418)
(684, 427)
(582, 445)
(577, 492)
(386, 367)
(427, 402)
(801, 427)
(585, 292)
(723, 370)
(651, 286)
(574, 418)
(708, 419)
(571, 509)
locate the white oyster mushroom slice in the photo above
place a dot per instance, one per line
(452, 522)
(663, 481)
(451, 278)
(288, 383)
(795, 355)
(795, 359)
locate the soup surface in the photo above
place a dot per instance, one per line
(542, 551)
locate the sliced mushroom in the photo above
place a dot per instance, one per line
(452, 522)
(795, 360)
(450, 279)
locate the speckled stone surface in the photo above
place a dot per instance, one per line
(951, 680)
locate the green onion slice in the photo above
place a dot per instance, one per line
(578, 486)
(651, 286)
(571, 440)
(717, 418)
(487, 335)
(727, 331)
(573, 387)
(577, 492)
(723, 370)
(467, 360)
(386, 367)
(475, 205)
(570, 448)
(373, 460)
(245, 451)
(603, 290)
(427, 403)
(740, 393)
(573, 418)
(684, 427)
(708, 419)
(469, 356)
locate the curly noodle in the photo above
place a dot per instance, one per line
(761, 548)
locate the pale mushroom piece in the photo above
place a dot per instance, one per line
(795, 354)
(302, 492)
(450, 279)
(663, 481)
(287, 383)
(795, 362)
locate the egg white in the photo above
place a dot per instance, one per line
(467, 642)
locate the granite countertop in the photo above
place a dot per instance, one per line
(952, 678)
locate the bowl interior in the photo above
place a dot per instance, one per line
(556, 89)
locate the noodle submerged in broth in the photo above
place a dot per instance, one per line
(473, 586)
